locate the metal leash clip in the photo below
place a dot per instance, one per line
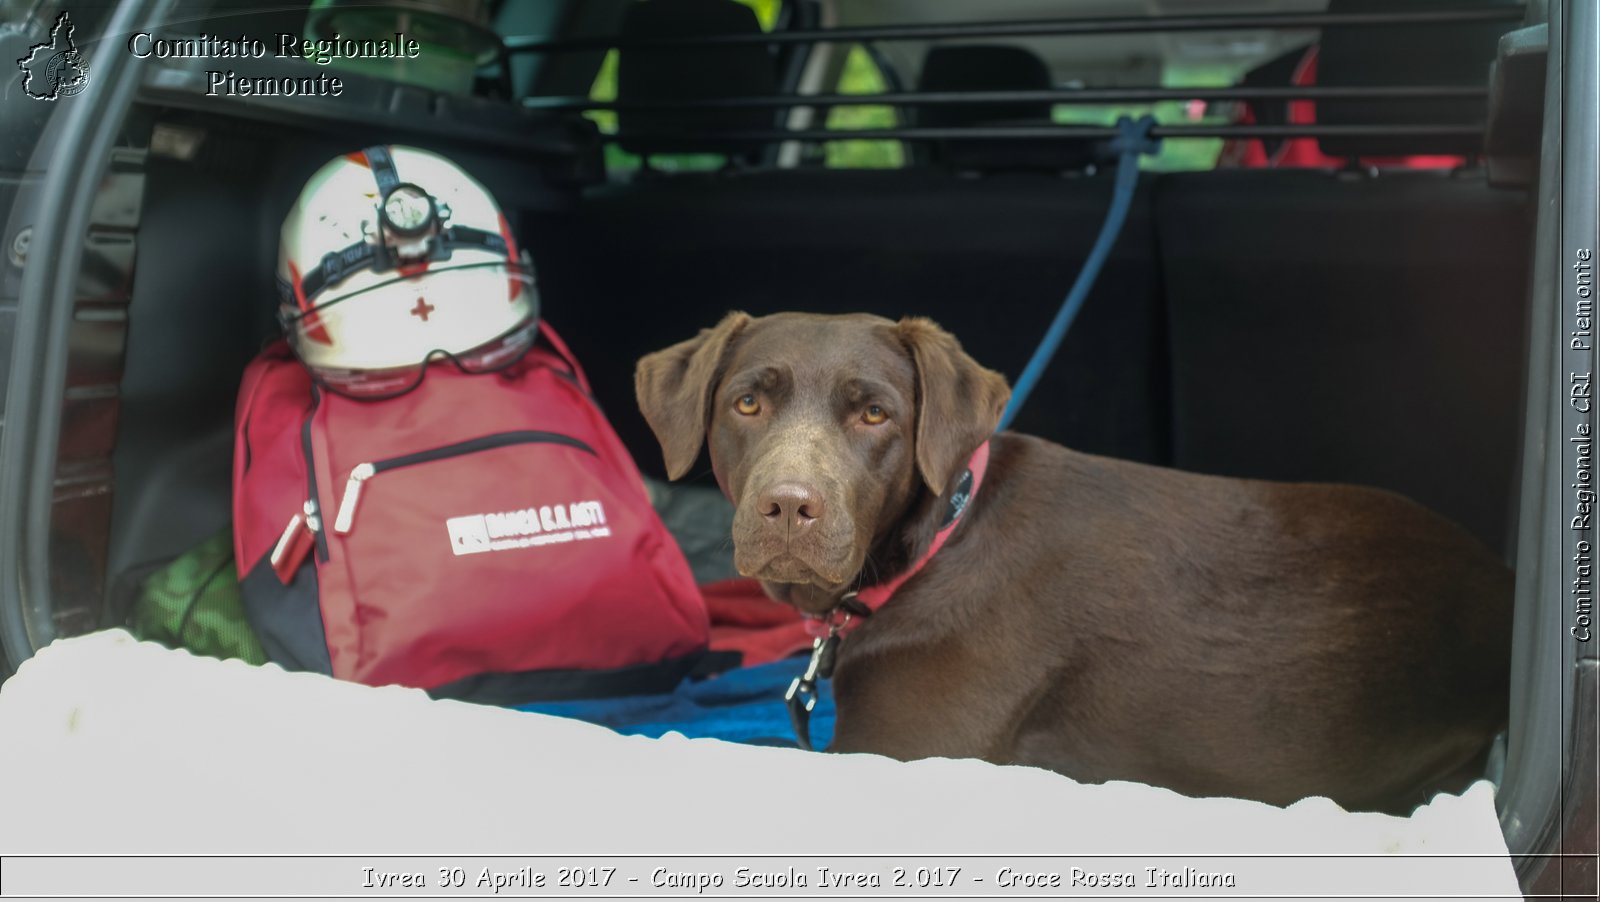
(802, 694)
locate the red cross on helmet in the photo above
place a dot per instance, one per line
(393, 257)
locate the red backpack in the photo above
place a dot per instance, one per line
(482, 536)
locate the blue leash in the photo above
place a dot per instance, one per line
(1133, 139)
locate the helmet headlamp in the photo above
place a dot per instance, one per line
(408, 211)
(412, 226)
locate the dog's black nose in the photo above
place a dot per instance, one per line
(791, 502)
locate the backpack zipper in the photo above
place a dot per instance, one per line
(303, 535)
(313, 512)
(297, 541)
(344, 520)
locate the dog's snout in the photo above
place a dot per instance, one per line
(791, 502)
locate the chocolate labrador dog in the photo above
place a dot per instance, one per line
(1105, 619)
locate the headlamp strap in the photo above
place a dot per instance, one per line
(339, 264)
(382, 164)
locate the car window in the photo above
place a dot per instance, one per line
(862, 75)
(619, 161)
(1175, 156)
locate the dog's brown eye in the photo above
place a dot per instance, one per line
(747, 405)
(874, 415)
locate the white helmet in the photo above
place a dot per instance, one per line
(393, 255)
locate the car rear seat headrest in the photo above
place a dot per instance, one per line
(1450, 54)
(994, 68)
(695, 73)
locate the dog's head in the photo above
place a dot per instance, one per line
(822, 430)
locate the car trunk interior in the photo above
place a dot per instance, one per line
(1294, 325)
(1353, 324)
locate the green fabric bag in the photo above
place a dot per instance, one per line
(195, 603)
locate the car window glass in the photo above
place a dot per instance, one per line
(619, 161)
(1191, 154)
(861, 75)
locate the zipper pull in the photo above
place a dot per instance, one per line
(352, 495)
(296, 542)
(282, 548)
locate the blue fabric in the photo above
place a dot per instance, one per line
(743, 705)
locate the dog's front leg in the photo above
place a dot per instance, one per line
(916, 704)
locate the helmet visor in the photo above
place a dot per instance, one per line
(493, 356)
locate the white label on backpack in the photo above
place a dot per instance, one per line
(549, 525)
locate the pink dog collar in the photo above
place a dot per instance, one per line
(874, 597)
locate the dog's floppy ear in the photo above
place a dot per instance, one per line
(959, 402)
(674, 390)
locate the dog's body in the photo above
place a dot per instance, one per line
(1105, 619)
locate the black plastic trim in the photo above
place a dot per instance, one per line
(1050, 132)
(1061, 95)
(1547, 729)
(91, 125)
(1030, 28)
